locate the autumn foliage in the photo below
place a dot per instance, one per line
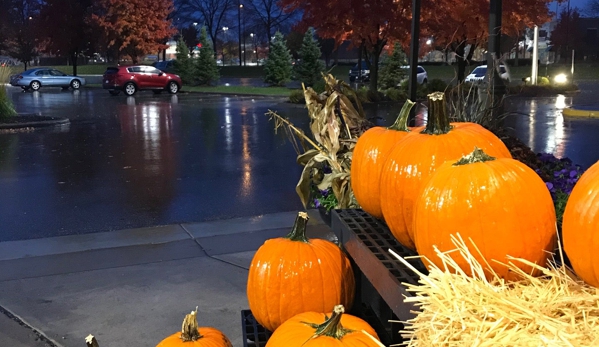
(135, 27)
(454, 24)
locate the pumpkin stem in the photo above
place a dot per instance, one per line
(438, 120)
(298, 233)
(401, 123)
(477, 156)
(189, 330)
(332, 326)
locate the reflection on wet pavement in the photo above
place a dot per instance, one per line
(127, 162)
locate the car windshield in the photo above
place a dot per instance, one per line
(479, 71)
(502, 69)
(364, 66)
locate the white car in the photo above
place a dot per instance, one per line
(421, 74)
(478, 74)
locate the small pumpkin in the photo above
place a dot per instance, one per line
(369, 156)
(499, 204)
(294, 274)
(580, 226)
(191, 335)
(317, 329)
(414, 159)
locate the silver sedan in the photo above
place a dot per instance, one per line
(35, 78)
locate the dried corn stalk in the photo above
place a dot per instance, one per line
(556, 309)
(335, 125)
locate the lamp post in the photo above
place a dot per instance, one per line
(414, 53)
(239, 27)
(225, 29)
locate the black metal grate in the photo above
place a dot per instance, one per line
(254, 334)
(375, 235)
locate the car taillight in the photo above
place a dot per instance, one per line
(20, 77)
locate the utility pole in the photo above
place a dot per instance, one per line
(239, 27)
(414, 48)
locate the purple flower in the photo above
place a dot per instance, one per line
(557, 174)
(324, 193)
(326, 169)
(316, 203)
(573, 173)
(549, 185)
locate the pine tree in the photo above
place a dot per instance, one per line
(309, 68)
(392, 74)
(184, 66)
(206, 68)
(278, 68)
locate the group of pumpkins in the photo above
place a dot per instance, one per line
(293, 285)
(432, 183)
(428, 184)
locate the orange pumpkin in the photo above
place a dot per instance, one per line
(293, 274)
(192, 336)
(308, 330)
(501, 205)
(414, 159)
(368, 158)
(580, 226)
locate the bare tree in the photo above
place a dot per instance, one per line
(21, 40)
(270, 16)
(209, 13)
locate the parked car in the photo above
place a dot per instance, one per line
(132, 78)
(478, 74)
(165, 65)
(37, 77)
(421, 74)
(354, 72)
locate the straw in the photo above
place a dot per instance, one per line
(556, 309)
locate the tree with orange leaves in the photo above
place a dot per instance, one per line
(372, 24)
(459, 24)
(135, 27)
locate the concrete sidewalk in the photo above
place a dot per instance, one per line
(132, 287)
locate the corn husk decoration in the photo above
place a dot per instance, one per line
(555, 309)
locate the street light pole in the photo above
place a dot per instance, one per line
(239, 27)
(414, 42)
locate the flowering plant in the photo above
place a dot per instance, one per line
(563, 175)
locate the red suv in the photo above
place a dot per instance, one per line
(130, 79)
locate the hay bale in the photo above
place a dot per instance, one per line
(555, 309)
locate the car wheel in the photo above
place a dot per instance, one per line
(35, 86)
(130, 89)
(75, 84)
(114, 92)
(173, 87)
(157, 91)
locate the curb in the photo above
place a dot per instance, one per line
(34, 124)
(573, 112)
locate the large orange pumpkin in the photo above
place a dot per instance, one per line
(313, 329)
(369, 156)
(500, 205)
(414, 159)
(294, 274)
(192, 336)
(580, 226)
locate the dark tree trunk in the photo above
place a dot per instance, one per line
(461, 61)
(74, 62)
(374, 69)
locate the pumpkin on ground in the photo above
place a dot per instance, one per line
(369, 156)
(580, 226)
(499, 204)
(415, 158)
(313, 329)
(294, 274)
(192, 336)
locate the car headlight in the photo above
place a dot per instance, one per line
(560, 78)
